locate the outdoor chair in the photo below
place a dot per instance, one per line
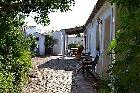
(88, 66)
(81, 58)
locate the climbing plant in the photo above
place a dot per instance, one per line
(49, 41)
(125, 70)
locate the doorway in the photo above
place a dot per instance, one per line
(106, 56)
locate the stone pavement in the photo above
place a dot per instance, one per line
(53, 75)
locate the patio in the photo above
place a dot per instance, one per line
(53, 75)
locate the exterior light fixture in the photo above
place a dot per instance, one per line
(99, 20)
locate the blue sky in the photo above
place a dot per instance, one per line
(77, 17)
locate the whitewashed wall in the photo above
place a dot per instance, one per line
(103, 13)
(91, 39)
(58, 48)
(41, 43)
(76, 40)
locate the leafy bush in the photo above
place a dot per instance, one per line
(15, 57)
(78, 35)
(125, 71)
(33, 44)
(49, 41)
(104, 86)
(74, 45)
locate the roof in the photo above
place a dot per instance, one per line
(81, 29)
(95, 10)
(75, 30)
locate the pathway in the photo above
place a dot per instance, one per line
(52, 75)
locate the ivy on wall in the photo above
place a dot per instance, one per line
(125, 72)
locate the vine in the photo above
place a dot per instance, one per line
(125, 72)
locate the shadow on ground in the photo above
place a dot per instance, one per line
(66, 65)
(79, 84)
(57, 64)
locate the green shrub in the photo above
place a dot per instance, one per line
(33, 45)
(104, 86)
(15, 57)
(125, 71)
(49, 41)
(74, 45)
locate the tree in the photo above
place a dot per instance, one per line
(41, 7)
(15, 55)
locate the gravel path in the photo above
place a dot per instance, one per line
(52, 75)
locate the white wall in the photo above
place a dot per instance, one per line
(91, 40)
(103, 13)
(58, 48)
(76, 40)
(41, 43)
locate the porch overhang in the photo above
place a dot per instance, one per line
(75, 30)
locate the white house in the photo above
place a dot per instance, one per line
(58, 47)
(40, 38)
(75, 40)
(63, 39)
(98, 33)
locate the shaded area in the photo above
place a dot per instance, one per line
(66, 66)
(53, 75)
(57, 64)
(79, 84)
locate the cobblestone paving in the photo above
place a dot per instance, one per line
(52, 75)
